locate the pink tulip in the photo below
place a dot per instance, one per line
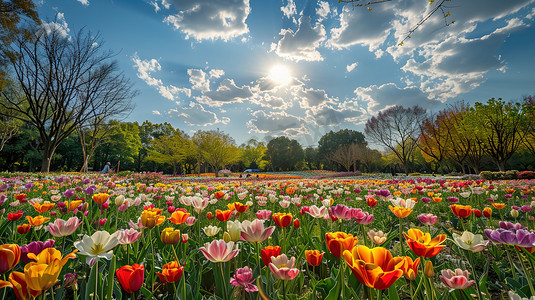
(129, 236)
(190, 220)
(317, 212)
(263, 214)
(219, 251)
(361, 216)
(63, 228)
(244, 277)
(283, 268)
(341, 211)
(254, 231)
(427, 219)
(457, 279)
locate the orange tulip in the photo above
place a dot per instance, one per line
(74, 204)
(282, 219)
(219, 194)
(9, 257)
(290, 190)
(400, 212)
(223, 216)
(437, 199)
(338, 242)
(422, 244)
(42, 208)
(179, 217)
(100, 198)
(20, 196)
(269, 252)
(410, 267)
(36, 221)
(375, 268)
(314, 257)
(498, 205)
(171, 272)
(461, 211)
(17, 281)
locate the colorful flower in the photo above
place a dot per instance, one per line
(421, 243)
(461, 211)
(338, 242)
(244, 278)
(219, 251)
(471, 242)
(170, 236)
(314, 257)
(9, 257)
(131, 277)
(283, 268)
(63, 228)
(282, 219)
(98, 245)
(171, 272)
(179, 217)
(254, 231)
(269, 252)
(375, 268)
(457, 279)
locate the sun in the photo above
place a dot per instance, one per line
(280, 75)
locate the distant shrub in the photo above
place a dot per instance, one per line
(415, 174)
(526, 175)
(471, 177)
(455, 174)
(508, 175)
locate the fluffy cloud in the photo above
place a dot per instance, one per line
(351, 67)
(199, 80)
(303, 44)
(84, 2)
(196, 115)
(332, 116)
(59, 25)
(290, 10)
(311, 98)
(145, 68)
(208, 19)
(323, 10)
(276, 123)
(226, 92)
(387, 95)
(216, 73)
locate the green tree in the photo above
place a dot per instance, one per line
(121, 148)
(498, 127)
(252, 154)
(217, 148)
(311, 158)
(172, 150)
(284, 154)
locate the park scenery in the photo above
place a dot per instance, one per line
(283, 150)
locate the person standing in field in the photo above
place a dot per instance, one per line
(106, 169)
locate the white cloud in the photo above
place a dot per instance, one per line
(196, 115)
(155, 5)
(323, 10)
(84, 2)
(351, 67)
(216, 73)
(145, 68)
(332, 116)
(199, 80)
(312, 98)
(59, 25)
(276, 123)
(387, 95)
(209, 20)
(226, 92)
(290, 10)
(156, 112)
(303, 44)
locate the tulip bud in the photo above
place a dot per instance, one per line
(477, 212)
(487, 212)
(209, 215)
(24, 228)
(185, 238)
(171, 209)
(514, 213)
(70, 280)
(105, 205)
(428, 269)
(119, 200)
(297, 224)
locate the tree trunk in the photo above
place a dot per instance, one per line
(48, 152)
(501, 165)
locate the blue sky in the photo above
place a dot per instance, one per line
(260, 69)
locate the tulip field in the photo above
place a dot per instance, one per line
(80, 236)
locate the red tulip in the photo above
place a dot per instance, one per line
(15, 216)
(297, 224)
(131, 277)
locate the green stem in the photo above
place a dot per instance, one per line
(183, 287)
(259, 257)
(225, 293)
(153, 262)
(96, 281)
(470, 260)
(174, 251)
(515, 276)
(342, 275)
(528, 277)
(284, 289)
(401, 237)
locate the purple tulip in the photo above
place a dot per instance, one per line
(341, 211)
(520, 237)
(35, 248)
(68, 193)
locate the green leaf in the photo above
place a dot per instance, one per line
(111, 272)
(90, 286)
(146, 293)
(393, 293)
(324, 286)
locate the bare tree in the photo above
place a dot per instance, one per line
(367, 156)
(66, 82)
(346, 156)
(398, 129)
